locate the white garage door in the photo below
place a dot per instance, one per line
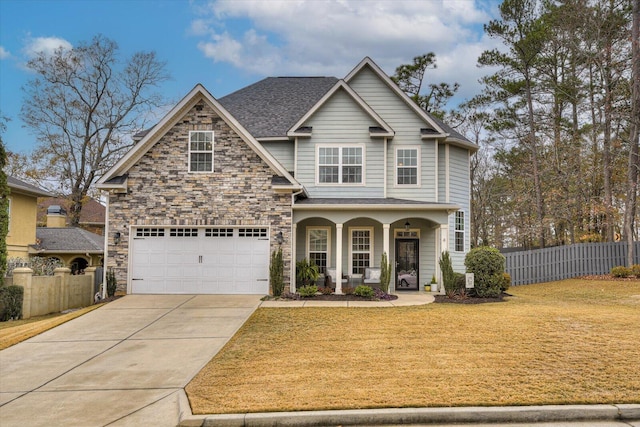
(200, 260)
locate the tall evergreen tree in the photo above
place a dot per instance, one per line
(4, 208)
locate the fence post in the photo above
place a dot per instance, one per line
(63, 273)
(90, 271)
(22, 277)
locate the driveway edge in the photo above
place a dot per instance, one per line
(441, 416)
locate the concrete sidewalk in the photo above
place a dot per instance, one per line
(123, 364)
(404, 299)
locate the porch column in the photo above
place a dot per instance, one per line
(292, 280)
(385, 248)
(385, 240)
(444, 246)
(339, 259)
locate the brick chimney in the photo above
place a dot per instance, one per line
(56, 217)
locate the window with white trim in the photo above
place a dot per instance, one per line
(459, 231)
(318, 247)
(407, 166)
(340, 165)
(360, 249)
(201, 151)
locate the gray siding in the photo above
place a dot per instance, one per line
(459, 181)
(282, 151)
(341, 121)
(406, 124)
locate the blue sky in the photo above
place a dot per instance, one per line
(226, 45)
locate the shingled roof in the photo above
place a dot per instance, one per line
(69, 239)
(18, 186)
(271, 106)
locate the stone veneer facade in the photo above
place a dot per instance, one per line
(162, 191)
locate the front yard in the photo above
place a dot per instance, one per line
(569, 342)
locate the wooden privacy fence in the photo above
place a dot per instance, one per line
(565, 262)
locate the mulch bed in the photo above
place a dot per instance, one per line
(468, 300)
(609, 277)
(334, 297)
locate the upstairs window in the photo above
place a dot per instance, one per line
(459, 232)
(201, 151)
(407, 166)
(340, 165)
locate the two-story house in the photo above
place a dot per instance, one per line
(336, 171)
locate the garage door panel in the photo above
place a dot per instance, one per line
(213, 261)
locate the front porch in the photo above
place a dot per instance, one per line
(350, 238)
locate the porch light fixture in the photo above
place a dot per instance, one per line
(279, 238)
(407, 225)
(116, 238)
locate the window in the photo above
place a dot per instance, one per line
(183, 232)
(361, 249)
(252, 232)
(318, 249)
(459, 232)
(150, 232)
(201, 151)
(340, 165)
(407, 166)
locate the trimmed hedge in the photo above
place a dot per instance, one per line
(11, 298)
(487, 264)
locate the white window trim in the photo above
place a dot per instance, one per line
(213, 146)
(341, 146)
(307, 241)
(372, 262)
(456, 231)
(418, 183)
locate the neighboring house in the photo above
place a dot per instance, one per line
(23, 205)
(77, 248)
(335, 171)
(91, 217)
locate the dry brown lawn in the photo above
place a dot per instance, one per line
(569, 342)
(16, 331)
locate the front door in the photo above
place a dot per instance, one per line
(407, 277)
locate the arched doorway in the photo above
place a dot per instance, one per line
(78, 265)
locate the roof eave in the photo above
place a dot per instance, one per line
(449, 207)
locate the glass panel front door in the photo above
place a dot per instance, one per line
(407, 277)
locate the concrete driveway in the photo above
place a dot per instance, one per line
(122, 364)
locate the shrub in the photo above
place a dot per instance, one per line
(506, 281)
(364, 291)
(41, 266)
(621, 271)
(348, 290)
(326, 290)
(11, 302)
(276, 272)
(306, 272)
(112, 283)
(635, 270)
(487, 265)
(308, 291)
(448, 279)
(385, 273)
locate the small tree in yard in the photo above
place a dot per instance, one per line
(385, 273)
(276, 272)
(448, 277)
(487, 265)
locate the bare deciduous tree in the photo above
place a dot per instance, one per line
(83, 105)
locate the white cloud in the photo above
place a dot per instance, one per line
(46, 45)
(4, 54)
(298, 37)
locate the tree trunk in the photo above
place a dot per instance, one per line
(632, 177)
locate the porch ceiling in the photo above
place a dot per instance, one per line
(386, 211)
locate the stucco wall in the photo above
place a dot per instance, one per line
(22, 225)
(163, 192)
